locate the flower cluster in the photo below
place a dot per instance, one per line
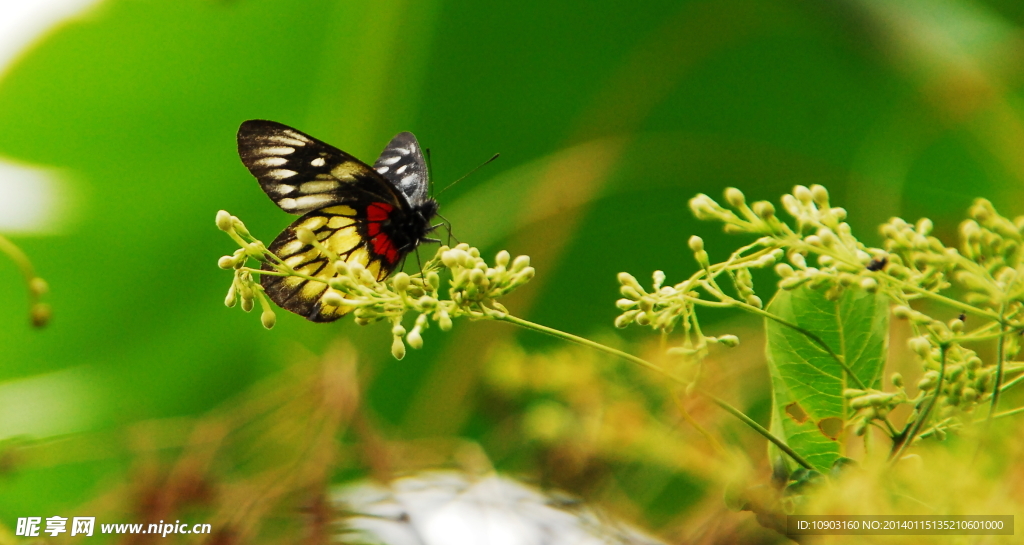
(473, 288)
(818, 250)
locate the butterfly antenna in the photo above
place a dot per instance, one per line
(466, 175)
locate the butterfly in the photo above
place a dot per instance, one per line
(372, 216)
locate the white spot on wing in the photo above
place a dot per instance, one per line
(270, 161)
(275, 150)
(391, 160)
(382, 170)
(284, 189)
(281, 173)
(313, 201)
(318, 187)
(401, 169)
(287, 204)
(296, 135)
(411, 179)
(318, 162)
(285, 140)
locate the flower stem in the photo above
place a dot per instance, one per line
(38, 311)
(903, 442)
(648, 365)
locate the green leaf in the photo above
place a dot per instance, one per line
(809, 412)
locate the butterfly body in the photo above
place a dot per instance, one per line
(373, 216)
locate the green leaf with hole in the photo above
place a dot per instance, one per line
(809, 412)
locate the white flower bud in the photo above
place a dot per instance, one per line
(398, 348)
(414, 339)
(734, 197)
(333, 298)
(224, 222)
(502, 259)
(304, 235)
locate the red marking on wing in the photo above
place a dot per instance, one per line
(375, 214)
(382, 245)
(378, 211)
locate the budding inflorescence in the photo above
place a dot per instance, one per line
(472, 290)
(820, 252)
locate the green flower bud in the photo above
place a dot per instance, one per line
(398, 348)
(502, 259)
(764, 210)
(444, 321)
(268, 318)
(239, 227)
(414, 339)
(40, 314)
(224, 222)
(784, 270)
(902, 312)
(920, 346)
(897, 380)
(232, 297)
(802, 194)
(730, 341)
(247, 303)
(520, 263)
(38, 286)
(646, 304)
(400, 282)
(477, 277)
(734, 197)
(696, 244)
(226, 262)
(754, 301)
(625, 318)
(525, 276)
(819, 194)
(659, 279)
(869, 285)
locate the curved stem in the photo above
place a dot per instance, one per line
(31, 280)
(1000, 357)
(525, 324)
(905, 442)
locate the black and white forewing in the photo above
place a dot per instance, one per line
(402, 164)
(301, 173)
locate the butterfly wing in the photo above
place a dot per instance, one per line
(402, 164)
(341, 229)
(301, 174)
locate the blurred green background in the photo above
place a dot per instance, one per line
(608, 115)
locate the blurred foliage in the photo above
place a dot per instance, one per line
(608, 115)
